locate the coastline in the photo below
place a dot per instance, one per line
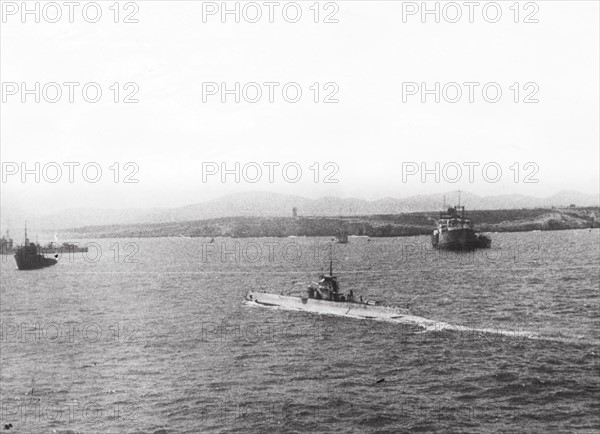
(374, 226)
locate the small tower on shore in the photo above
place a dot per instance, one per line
(294, 212)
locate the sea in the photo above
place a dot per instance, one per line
(153, 335)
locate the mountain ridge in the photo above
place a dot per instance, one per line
(269, 204)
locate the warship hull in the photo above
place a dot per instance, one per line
(26, 261)
(460, 239)
(347, 309)
(366, 311)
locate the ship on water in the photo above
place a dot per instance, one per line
(9, 247)
(326, 297)
(64, 248)
(342, 237)
(7, 244)
(455, 231)
(29, 256)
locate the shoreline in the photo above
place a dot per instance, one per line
(372, 226)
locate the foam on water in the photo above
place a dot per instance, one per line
(428, 325)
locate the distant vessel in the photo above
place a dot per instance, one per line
(29, 256)
(325, 297)
(342, 237)
(7, 244)
(70, 247)
(454, 231)
(8, 247)
(64, 248)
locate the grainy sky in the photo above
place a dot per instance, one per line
(368, 134)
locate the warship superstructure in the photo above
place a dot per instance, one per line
(326, 297)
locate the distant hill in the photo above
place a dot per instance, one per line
(390, 225)
(263, 204)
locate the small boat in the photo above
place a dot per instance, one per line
(342, 237)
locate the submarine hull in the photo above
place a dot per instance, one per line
(349, 309)
(367, 311)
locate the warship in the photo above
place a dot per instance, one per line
(326, 297)
(455, 231)
(29, 256)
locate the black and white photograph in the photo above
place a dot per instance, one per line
(310, 216)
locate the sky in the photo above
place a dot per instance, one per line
(373, 138)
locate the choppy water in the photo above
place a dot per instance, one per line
(165, 344)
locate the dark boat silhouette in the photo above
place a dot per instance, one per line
(455, 231)
(342, 237)
(29, 256)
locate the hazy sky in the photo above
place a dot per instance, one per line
(368, 134)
